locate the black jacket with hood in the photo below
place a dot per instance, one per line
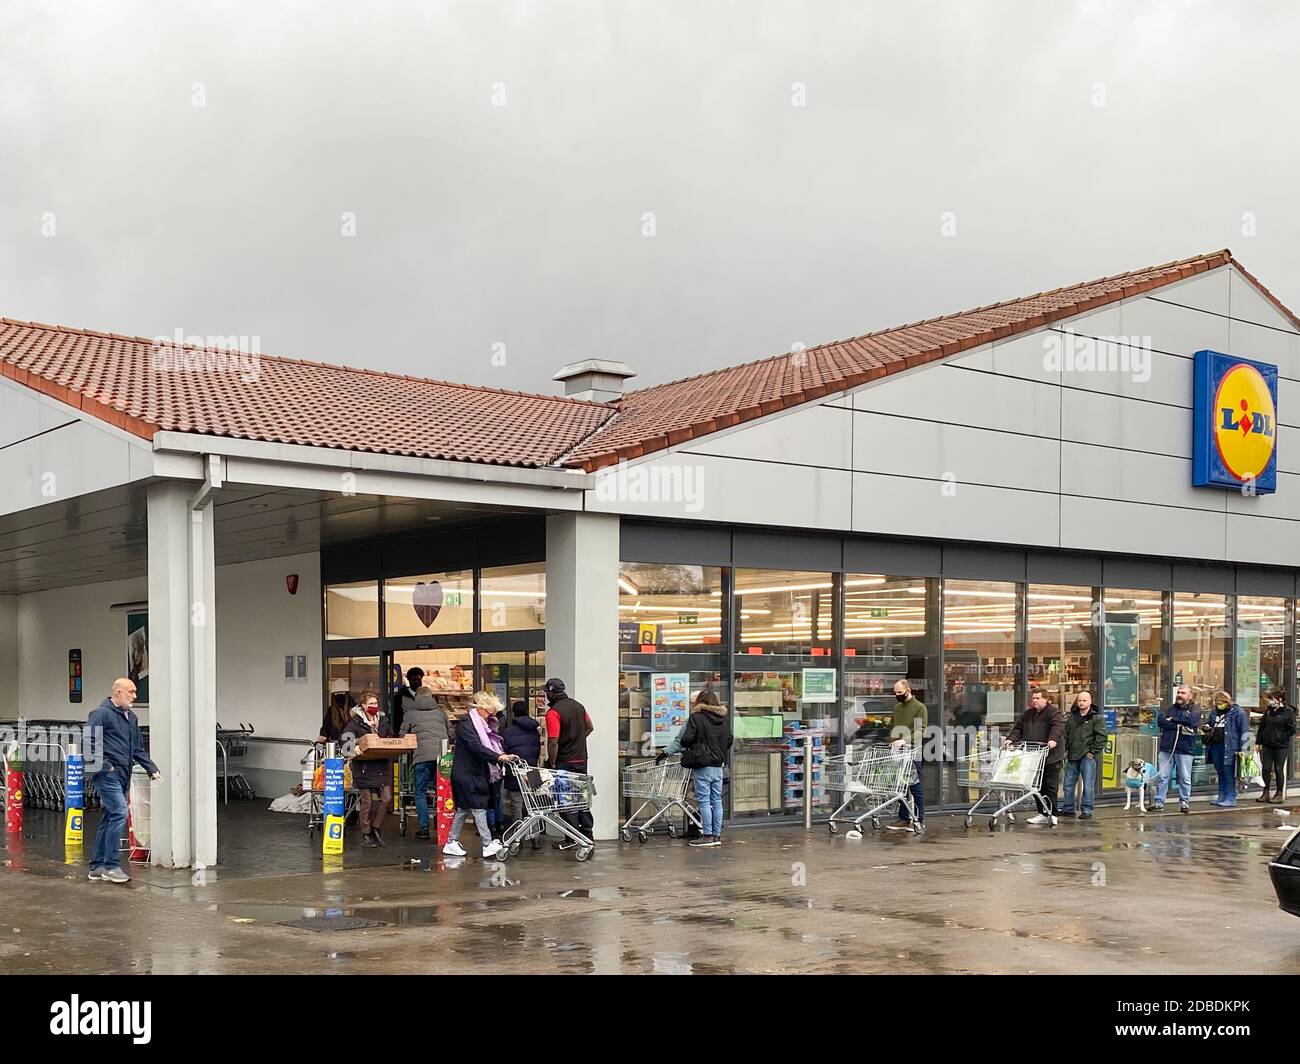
(706, 738)
(523, 738)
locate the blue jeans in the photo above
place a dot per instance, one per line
(425, 771)
(105, 854)
(1225, 767)
(918, 797)
(1087, 768)
(1168, 759)
(708, 793)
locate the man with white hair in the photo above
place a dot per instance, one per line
(115, 731)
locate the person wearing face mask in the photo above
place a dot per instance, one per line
(475, 763)
(1177, 724)
(1085, 742)
(115, 731)
(1225, 735)
(908, 723)
(373, 779)
(1277, 728)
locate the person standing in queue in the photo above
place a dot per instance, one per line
(1225, 735)
(1085, 742)
(427, 721)
(373, 778)
(1177, 726)
(473, 765)
(567, 728)
(522, 739)
(1277, 728)
(704, 742)
(908, 724)
(1043, 723)
(115, 731)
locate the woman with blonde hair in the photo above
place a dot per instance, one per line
(476, 762)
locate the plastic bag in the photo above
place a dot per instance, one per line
(1248, 768)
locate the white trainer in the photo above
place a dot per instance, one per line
(1037, 818)
(453, 849)
(491, 849)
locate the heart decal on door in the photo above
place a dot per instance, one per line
(427, 600)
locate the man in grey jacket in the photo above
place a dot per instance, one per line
(426, 719)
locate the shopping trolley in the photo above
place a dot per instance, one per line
(877, 776)
(313, 763)
(1010, 776)
(549, 795)
(661, 786)
(232, 745)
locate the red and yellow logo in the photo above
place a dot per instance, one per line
(1245, 430)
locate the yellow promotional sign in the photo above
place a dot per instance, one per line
(74, 828)
(647, 634)
(332, 840)
(1109, 764)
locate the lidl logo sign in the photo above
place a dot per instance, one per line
(1235, 415)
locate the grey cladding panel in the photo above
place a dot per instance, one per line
(674, 543)
(758, 550)
(892, 558)
(1123, 573)
(1064, 569)
(1209, 578)
(976, 563)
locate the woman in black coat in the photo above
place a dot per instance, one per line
(477, 756)
(373, 779)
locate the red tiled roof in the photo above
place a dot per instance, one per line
(652, 419)
(118, 379)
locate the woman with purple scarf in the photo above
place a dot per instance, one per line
(476, 766)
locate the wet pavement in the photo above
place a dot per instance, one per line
(1119, 894)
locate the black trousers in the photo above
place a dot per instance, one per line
(582, 819)
(1271, 759)
(1050, 789)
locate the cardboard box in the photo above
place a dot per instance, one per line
(373, 748)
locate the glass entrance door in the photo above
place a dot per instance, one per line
(515, 676)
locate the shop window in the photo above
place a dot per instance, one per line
(349, 681)
(448, 673)
(1133, 685)
(352, 610)
(670, 649)
(512, 598)
(1060, 636)
(982, 659)
(1201, 640)
(890, 628)
(434, 604)
(1262, 637)
(786, 675)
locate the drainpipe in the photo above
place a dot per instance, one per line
(203, 662)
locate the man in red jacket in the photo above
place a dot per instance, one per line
(567, 728)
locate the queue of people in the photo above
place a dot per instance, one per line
(484, 740)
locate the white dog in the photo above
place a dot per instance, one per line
(1136, 777)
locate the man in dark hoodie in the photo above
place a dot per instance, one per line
(704, 743)
(1043, 723)
(523, 738)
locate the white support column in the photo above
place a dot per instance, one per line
(203, 682)
(170, 736)
(582, 639)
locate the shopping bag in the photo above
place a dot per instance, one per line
(1249, 769)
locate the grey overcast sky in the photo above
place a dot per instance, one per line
(196, 161)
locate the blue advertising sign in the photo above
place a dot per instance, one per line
(334, 786)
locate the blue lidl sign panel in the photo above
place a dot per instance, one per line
(1235, 419)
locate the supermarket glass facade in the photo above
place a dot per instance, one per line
(793, 651)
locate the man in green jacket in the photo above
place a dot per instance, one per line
(909, 722)
(1085, 742)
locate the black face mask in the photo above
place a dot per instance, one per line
(902, 698)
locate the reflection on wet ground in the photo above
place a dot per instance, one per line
(1115, 894)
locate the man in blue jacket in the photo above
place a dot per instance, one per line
(114, 732)
(1177, 726)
